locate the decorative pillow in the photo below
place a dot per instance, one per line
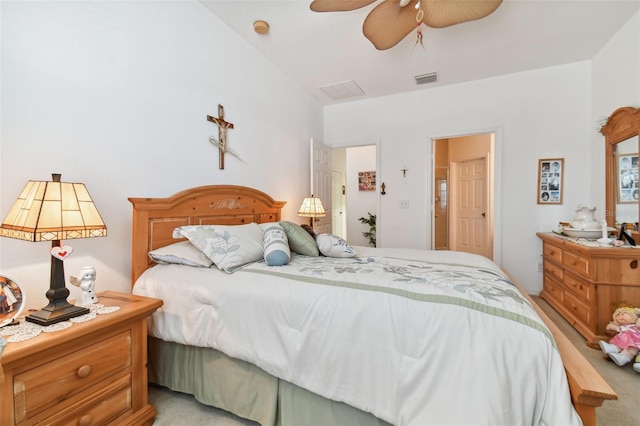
(299, 240)
(229, 247)
(182, 253)
(276, 245)
(334, 246)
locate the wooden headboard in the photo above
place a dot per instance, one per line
(154, 219)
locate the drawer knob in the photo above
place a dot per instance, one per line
(633, 264)
(85, 420)
(84, 371)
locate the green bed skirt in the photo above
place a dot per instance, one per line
(244, 389)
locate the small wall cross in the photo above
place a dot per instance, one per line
(221, 142)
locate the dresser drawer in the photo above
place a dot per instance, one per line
(552, 252)
(577, 308)
(619, 271)
(52, 383)
(578, 286)
(578, 264)
(553, 289)
(553, 270)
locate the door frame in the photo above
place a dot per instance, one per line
(494, 187)
(377, 142)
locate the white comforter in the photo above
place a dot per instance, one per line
(425, 341)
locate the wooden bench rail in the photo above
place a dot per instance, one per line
(588, 389)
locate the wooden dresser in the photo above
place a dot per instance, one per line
(585, 284)
(92, 373)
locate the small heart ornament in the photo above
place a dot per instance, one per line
(61, 252)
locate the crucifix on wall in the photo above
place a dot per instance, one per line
(221, 142)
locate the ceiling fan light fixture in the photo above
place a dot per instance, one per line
(431, 77)
(391, 20)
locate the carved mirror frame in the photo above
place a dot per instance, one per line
(623, 124)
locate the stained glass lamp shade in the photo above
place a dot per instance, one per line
(54, 211)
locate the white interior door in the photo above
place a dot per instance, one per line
(338, 198)
(470, 207)
(321, 182)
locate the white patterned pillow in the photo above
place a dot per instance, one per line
(228, 246)
(182, 253)
(276, 245)
(334, 246)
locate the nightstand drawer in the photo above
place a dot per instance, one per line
(578, 264)
(578, 287)
(52, 383)
(103, 406)
(552, 252)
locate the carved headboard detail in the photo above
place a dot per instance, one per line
(154, 219)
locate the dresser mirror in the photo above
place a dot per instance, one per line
(622, 147)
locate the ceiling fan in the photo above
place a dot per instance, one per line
(392, 20)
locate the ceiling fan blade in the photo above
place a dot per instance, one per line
(338, 5)
(444, 13)
(388, 23)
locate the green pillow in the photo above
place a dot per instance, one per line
(299, 240)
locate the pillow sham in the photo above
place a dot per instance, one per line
(228, 246)
(182, 253)
(299, 240)
(334, 246)
(276, 245)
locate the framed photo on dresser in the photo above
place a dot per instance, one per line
(628, 178)
(550, 174)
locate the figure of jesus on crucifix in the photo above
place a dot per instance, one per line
(221, 142)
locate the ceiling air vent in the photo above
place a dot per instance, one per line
(432, 77)
(346, 89)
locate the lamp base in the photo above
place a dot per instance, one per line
(56, 311)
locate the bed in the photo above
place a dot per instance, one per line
(390, 336)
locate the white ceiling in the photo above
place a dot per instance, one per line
(319, 49)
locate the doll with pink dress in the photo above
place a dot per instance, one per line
(625, 345)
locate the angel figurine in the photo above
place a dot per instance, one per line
(86, 282)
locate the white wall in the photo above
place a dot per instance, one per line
(543, 113)
(539, 114)
(115, 95)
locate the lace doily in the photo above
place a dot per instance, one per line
(28, 330)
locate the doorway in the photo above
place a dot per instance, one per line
(463, 194)
(349, 201)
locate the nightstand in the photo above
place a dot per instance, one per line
(88, 374)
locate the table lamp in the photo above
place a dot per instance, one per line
(54, 211)
(312, 208)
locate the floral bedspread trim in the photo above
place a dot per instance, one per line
(480, 289)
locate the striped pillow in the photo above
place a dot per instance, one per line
(276, 245)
